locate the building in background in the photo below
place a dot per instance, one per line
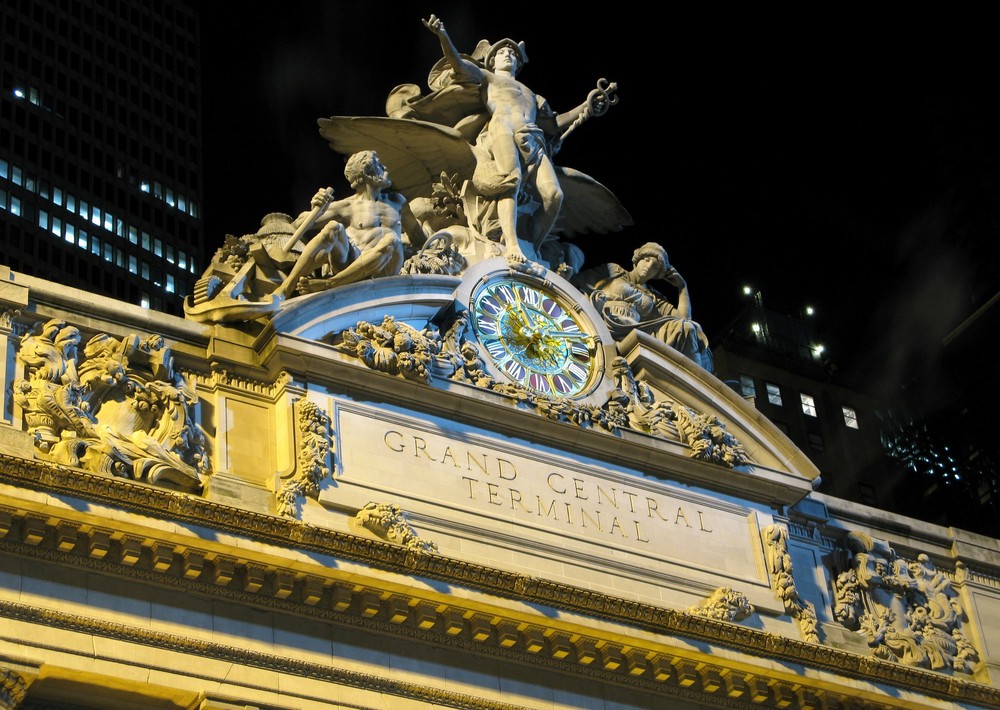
(100, 152)
(905, 452)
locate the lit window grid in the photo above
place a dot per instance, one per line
(93, 213)
(773, 394)
(57, 196)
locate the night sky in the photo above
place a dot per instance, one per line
(840, 161)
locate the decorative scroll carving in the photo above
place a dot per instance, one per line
(13, 688)
(8, 316)
(724, 604)
(313, 465)
(394, 347)
(122, 411)
(906, 608)
(779, 564)
(387, 521)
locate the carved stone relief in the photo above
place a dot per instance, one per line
(121, 410)
(724, 604)
(394, 347)
(388, 522)
(907, 609)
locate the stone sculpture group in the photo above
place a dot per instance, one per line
(445, 180)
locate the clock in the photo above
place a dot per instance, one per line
(536, 330)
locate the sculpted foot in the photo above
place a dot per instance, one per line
(515, 257)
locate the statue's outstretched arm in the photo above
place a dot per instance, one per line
(461, 66)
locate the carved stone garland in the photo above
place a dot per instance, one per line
(313, 464)
(779, 564)
(724, 604)
(389, 523)
(399, 349)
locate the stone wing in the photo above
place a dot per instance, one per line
(415, 152)
(588, 206)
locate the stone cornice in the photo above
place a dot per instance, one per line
(242, 656)
(317, 591)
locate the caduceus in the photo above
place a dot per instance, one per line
(599, 100)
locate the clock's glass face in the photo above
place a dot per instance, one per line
(532, 339)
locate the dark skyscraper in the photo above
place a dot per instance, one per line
(100, 146)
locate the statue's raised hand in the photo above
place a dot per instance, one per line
(435, 25)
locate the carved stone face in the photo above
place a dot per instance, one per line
(378, 174)
(648, 268)
(505, 60)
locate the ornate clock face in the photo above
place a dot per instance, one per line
(533, 339)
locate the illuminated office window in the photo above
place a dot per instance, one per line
(808, 405)
(850, 418)
(773, 394)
